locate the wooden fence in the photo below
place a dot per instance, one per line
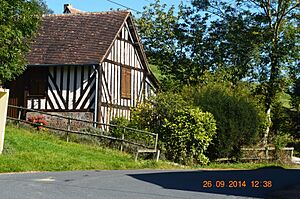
(262, 153)
(100, 132)
(265, 153)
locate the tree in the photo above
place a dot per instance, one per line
(278, 54)
(186, 44)
(295, 95)
(253, 40)
(19, 20)
(45, 8)
(167, 39)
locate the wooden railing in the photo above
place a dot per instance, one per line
(260, 154)
(266, 151)
(102, 130)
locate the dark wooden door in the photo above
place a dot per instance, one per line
(16, 95)
(12, 112)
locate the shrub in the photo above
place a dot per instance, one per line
(238, 118)
(281, 120)
(184, 131)
(281, 140)
(138, 137)
(118, 130)
(295, 95)
(188, 134)
(150, 116)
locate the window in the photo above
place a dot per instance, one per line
(126, 83)
(38, 82)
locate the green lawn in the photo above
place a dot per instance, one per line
(30, 150)
(38, 151)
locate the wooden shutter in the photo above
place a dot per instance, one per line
(126, 83)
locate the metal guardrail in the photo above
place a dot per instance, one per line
(68, 130)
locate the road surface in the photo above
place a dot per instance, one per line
(156, 184)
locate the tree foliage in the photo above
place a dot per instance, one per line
(295, 95)
(189, 132)
(253, 40)
(277, 53)
(238, 118)
(19, 20)
(184, 131)
(168, 42)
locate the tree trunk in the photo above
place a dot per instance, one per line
(266, 134)
(273, 85)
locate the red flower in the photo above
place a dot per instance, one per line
(38, 121)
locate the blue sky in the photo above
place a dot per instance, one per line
(102, 5)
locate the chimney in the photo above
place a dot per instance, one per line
(67, 8)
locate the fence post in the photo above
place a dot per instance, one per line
(68, 128)
(267, 153)
(157, 153)
(123, 137)
(156, 140)
(19, 117)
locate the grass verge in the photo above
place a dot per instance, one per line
(246, 166)
(29, 150)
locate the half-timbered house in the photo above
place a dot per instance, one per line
(85, 65)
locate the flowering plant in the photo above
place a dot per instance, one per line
(38, 121)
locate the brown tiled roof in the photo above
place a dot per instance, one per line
(81, 38)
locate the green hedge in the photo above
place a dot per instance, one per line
(184, 131)
(187, 135)
(239, 119)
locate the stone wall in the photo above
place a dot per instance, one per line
(63, 123)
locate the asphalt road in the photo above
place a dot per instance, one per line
(142, 184)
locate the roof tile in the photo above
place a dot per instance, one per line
(81, 38)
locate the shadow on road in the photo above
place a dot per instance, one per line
(194, 180)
